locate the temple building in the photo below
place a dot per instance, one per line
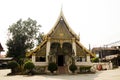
(59, 45)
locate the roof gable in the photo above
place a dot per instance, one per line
(61, 29)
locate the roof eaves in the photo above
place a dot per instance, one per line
(85, 49)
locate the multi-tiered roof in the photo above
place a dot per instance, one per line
(61, 32)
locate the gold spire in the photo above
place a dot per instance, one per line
(61, 6)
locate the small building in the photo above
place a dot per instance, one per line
(59, 45)
(1, 49)
(3, 59)
(108, 54)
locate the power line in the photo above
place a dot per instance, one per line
(112, 43)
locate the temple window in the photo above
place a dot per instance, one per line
(81, 59)
(40, 59)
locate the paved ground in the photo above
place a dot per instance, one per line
(101, 75)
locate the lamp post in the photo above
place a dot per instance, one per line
(101, 55)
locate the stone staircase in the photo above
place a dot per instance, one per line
(62, 70)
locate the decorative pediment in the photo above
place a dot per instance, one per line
(61, 30)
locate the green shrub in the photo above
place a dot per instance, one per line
(21, 63)
(95, 59)
(40, 69)
(84, 68)
(29, 66)
(73, 68)
(52, 67)
(13, 65)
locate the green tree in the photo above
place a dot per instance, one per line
(22, 37)
(40, 38)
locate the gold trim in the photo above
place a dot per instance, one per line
(61, 16)
(89, 52)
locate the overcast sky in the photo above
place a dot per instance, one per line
(97, 21)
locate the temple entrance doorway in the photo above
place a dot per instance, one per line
(62, 69)
(60, 60)
(61, 51)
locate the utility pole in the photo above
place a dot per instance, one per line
(89, 47)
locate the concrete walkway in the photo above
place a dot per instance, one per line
(101, 75)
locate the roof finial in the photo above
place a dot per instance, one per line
(61, 8)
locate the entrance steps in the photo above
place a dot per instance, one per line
(62, 70)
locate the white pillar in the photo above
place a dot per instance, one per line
(47, 50)
(88, 58)
(33, 58)
(111, 65)
(74, 46)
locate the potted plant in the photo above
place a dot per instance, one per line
(73, 68)
(29, 67)
(52, 67)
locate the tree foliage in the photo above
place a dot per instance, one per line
(96, 59)
(22, 36)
